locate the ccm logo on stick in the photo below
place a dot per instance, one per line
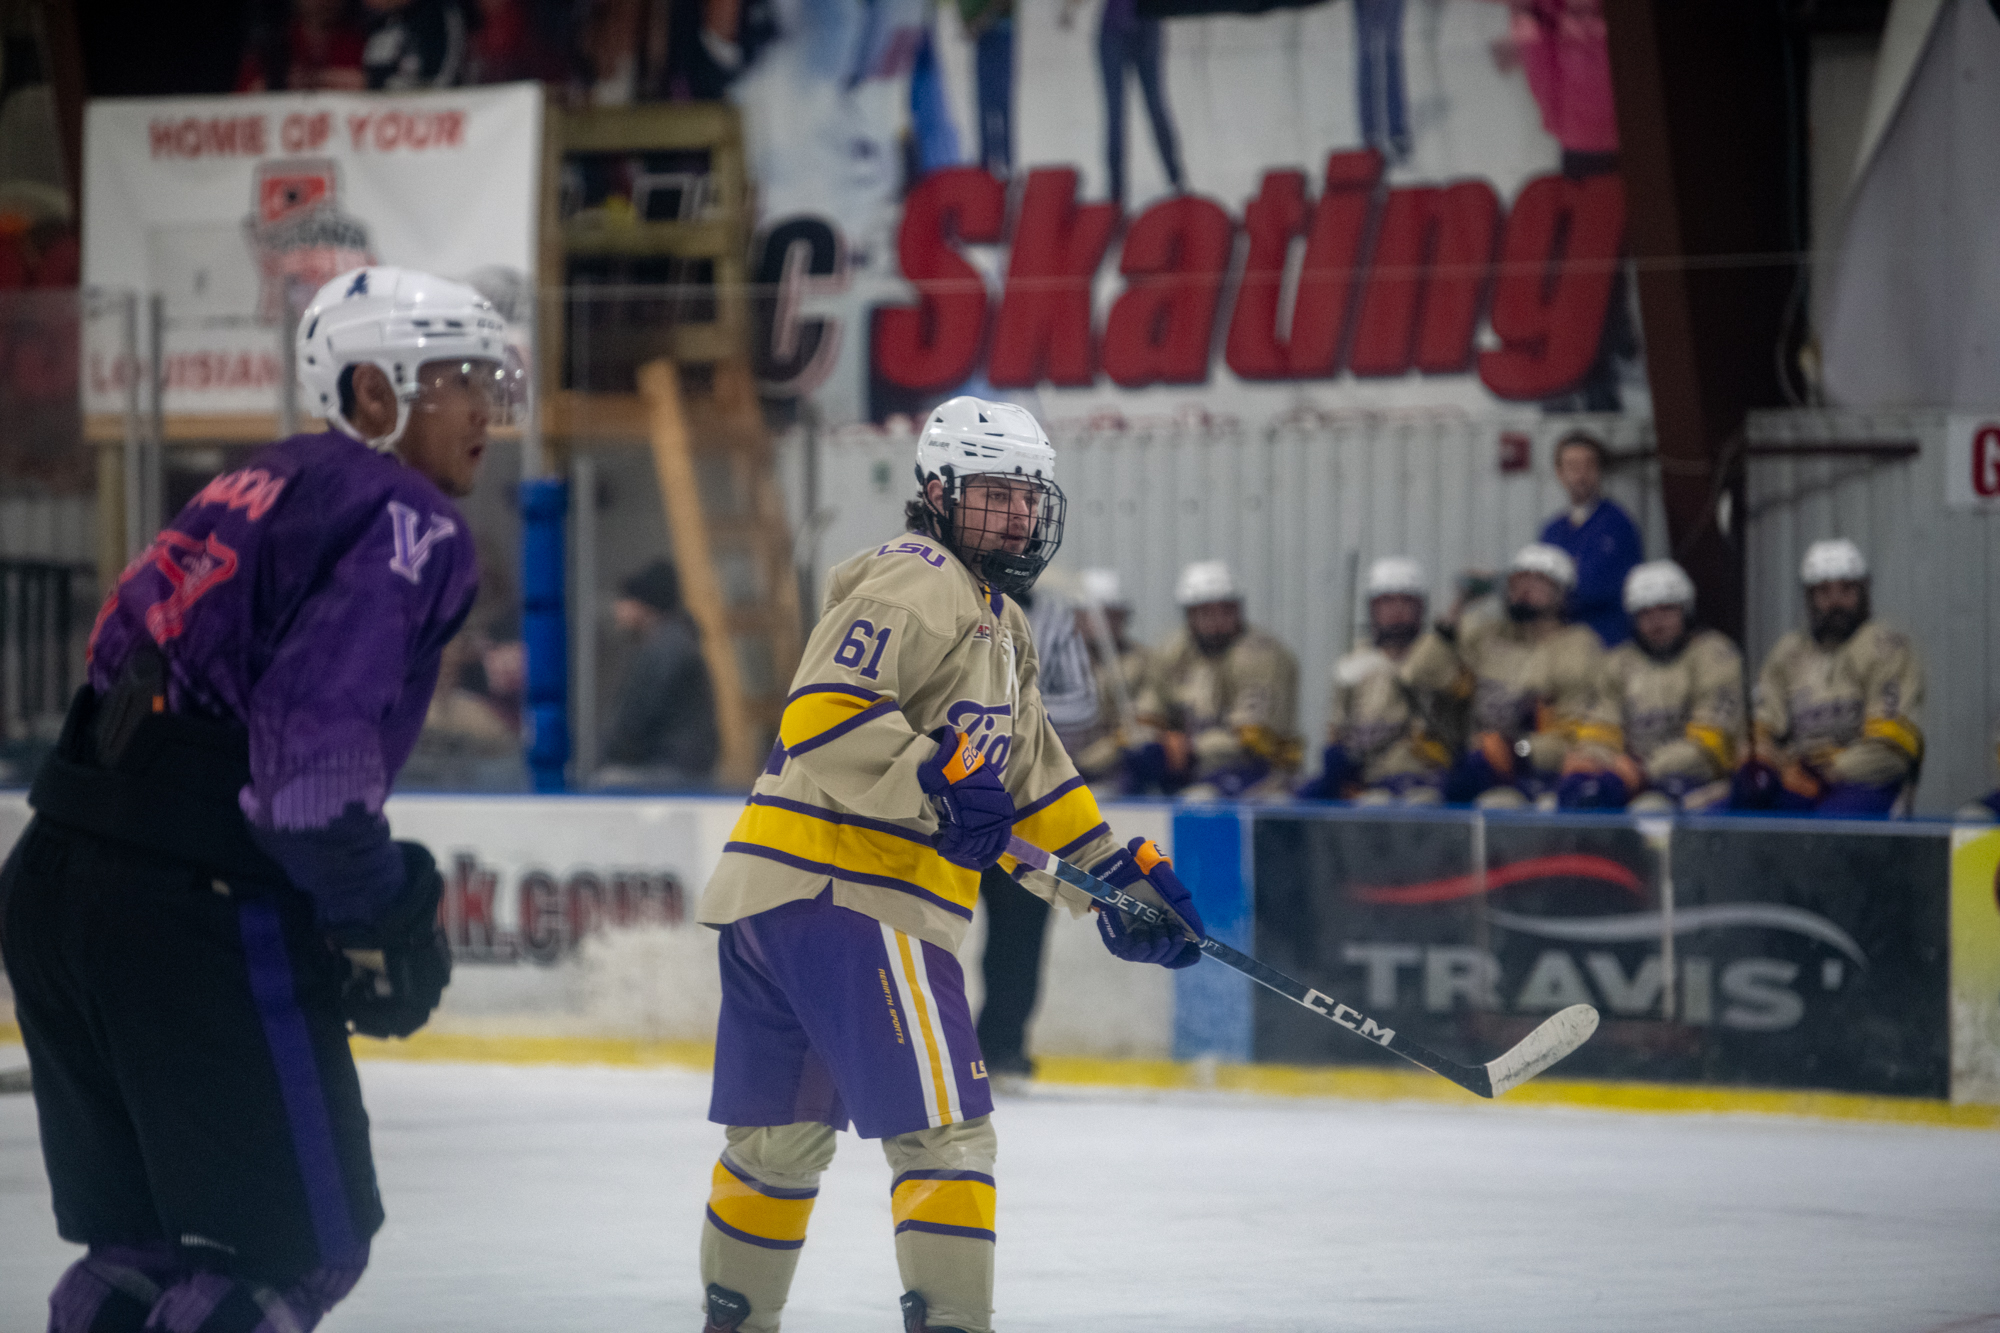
(1341, 1014)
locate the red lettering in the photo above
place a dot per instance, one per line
(218, 136)
(357, 131)
(541, 917)
(476, 929)
(583, 902)
(1986, 461)
(1044, 320)
(451, 128)
(935, 343)
(1558, 264)
(1426, 280)
(1159, 330)
(1255, 349)
(300, 133)
(1332, 266)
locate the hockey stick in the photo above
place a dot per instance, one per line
(1557, 1036)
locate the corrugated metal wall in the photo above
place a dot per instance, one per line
(1284, 506)
(1936, 571)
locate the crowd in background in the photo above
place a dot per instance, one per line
(1580, 678)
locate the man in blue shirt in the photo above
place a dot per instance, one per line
(1598, 534)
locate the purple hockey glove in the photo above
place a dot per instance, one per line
(1137, 941)
(977, 812)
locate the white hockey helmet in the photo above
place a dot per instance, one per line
(1837, 560)
(1103, 587)
(1551, 562)
(1658, 583)
(1207, 581)
(966, 437)
(399, 320)
(1395, 576)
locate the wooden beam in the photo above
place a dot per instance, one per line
(1705, 123)
(673, 463)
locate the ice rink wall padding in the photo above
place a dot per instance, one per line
(1783, 957)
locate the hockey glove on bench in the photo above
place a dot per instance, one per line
(976, 813)
(1138, 941)
(402, 962)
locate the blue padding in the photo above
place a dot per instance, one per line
(1212, 1003)
(545, 629)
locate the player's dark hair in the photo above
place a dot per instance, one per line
(345, 384)
(1583, 439)
(920, 517)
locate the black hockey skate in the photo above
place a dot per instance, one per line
(726, 1309)
(914, 1310)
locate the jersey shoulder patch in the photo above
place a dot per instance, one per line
(924, 580)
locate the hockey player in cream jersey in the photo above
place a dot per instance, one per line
(1679, 695)
(1222, 699)
(1391, 736)
(1838, 709)
(913, 744)
(1537, 717)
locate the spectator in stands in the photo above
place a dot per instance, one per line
(1221, 700)
(1838, 708)
(304, 45)
(1677, 692)
(1392, 733)
(415, 44)
(467, 744)
(1015, 918)
(1534, 681)
(1119, 667)
(502, 43)
(663, 735)
(1597, 534)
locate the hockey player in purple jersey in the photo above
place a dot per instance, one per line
(208, 895)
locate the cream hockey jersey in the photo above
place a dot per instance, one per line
(908, 641)
(1547, 690)
(1683, 718)
(1392, 723)
(1855, 712)
(1236, 708)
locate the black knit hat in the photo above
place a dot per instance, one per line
(658, 585)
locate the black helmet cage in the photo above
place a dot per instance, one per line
(1002, 571)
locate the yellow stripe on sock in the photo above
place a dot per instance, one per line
(952, 1203)
(742, 1206)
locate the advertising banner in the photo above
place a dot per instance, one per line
(1108, 214)
(231, 207)
(1744, 953)
(1975, 965)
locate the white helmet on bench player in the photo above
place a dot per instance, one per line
(399, 320)
(1836, 560)
(969, 437)
(1395, 576)
(1658, 583)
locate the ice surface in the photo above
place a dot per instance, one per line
(569, 1199)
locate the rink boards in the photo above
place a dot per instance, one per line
(1800, 958)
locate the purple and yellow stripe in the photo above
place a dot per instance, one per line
(1063, 821)
(852, 847)
(745, 1208)
(821, 713)
(944, 1203)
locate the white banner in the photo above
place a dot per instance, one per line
(575, 916)
(1107, 217)
(1972, 461)
(225, 205)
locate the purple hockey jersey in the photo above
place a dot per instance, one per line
(307, 597)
